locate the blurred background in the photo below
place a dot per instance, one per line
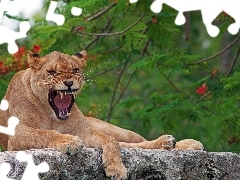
(144, 73)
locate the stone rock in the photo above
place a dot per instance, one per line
(141, 164)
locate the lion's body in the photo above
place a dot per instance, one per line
(30, 93)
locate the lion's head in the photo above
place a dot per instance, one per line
(58, 78)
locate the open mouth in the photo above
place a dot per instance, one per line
(61, 102)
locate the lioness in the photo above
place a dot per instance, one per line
(42, 97)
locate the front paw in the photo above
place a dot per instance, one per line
(68, 144)
(189, 144)
(116, 171)
(113, 165)
(167, 142)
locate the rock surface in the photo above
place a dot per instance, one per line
(141, 164)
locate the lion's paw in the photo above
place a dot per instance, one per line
(167, 142)
(116, 172)
(69, 145)
(189, 144)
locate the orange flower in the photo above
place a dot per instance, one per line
(80, 28)
(202, 89)
(1, 64)
(154, 20)
(36, 48)
(21, 52)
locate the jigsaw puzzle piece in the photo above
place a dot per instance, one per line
(31, 171)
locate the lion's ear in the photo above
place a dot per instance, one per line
(81, 58)
(34, 60)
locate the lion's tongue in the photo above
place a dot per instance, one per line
(64, 102)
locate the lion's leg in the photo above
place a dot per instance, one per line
(38, 139)
(130, 139)
(163, 142)
(166, 142)
(189, 144)
(112, 161)
(120, 134)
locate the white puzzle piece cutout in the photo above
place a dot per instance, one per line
(51, 16)
(12, 121)
(133, 1)
(31, 171)
(7, 35)
(4, 170)
(210, 9)
(4, 105)
(76, 11)
(6, 5)
(59, 19)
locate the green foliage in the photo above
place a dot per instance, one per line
(141, 73)
(1, 149)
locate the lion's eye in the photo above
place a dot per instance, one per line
(75, 70)
(79, 55)
(52, 72)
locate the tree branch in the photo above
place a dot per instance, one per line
(130, 78)
(187, 26)
(116, 33)
(103, 72)
(217, 54)
(97, 37)
(111, 50)
(124, 89)
(234, 62)
(173, 85)
(204, 96)
(101, 12)
(115, 91)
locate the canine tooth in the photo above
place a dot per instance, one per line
(61, 94)
(74, 95)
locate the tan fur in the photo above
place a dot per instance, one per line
(40, 127)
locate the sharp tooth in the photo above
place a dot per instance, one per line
(61, 94)
(74, 95)
(68, 114)
(65, 93)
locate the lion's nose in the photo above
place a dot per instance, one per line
(68, 83)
